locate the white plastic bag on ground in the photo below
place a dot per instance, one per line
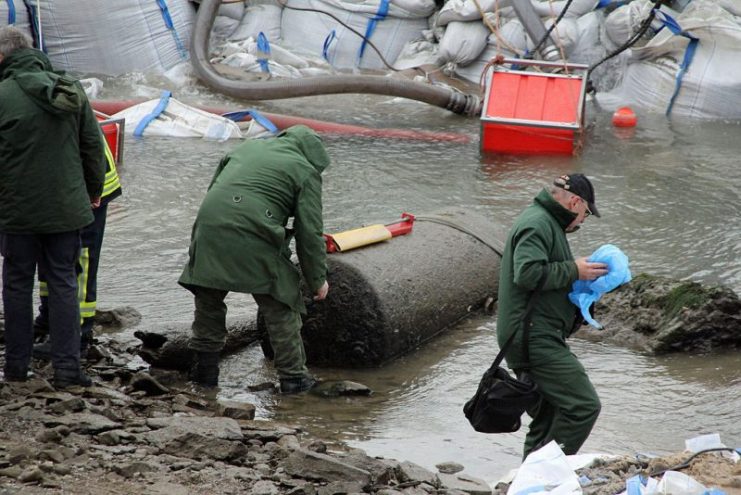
(547, 470)
(676, 483)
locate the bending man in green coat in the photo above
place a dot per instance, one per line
(240, 243)
(537, 262)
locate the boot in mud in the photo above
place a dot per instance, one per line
(296, 385)
(64, 378)
(206, 370)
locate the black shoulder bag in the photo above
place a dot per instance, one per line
(501, 399)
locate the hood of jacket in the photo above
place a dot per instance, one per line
(309, 143)
(52, 91)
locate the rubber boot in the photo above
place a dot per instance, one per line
(64, 378)
(296, 385)
(206, 371)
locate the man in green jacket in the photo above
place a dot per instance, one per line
(240, 242)
(537, 262)
(52, 169)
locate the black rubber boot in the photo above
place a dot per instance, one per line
(64, 378)
(296, 385)
(206, 370)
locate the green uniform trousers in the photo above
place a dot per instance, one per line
(282, 322)
(569, 404)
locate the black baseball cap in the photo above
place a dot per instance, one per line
(579, 184)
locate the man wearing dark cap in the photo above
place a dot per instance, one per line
(537, 264)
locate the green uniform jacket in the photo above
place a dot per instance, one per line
(536, 245)
(240, 242)
(52, 159)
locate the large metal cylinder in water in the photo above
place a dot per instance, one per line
(386, 299)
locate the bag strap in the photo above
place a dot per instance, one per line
(526, 326)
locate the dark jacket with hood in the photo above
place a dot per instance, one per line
(52, 159)
(537, 246)
(240, 241)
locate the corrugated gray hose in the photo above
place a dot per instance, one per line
(444, 97)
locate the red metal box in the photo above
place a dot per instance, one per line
(533, 112)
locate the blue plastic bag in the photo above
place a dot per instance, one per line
(585, 292)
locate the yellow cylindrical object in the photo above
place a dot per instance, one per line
(363, 236)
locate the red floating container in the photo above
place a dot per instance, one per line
(533, 112)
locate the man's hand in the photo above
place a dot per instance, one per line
(321, 292)
(95, 202)
(589, 270)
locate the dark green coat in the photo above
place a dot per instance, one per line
(52, 159)
(537, 244)
(240, 242)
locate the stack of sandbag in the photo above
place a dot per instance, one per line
(15, 12)
(388, 24)
(241, 20)
(471, 41)
(693, 70)
(111, 38)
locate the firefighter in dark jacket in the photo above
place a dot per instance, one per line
(240, 243)
(52, 170)
(537, 253)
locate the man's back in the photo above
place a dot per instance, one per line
(51, 154)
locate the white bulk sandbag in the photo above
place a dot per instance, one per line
(547, 8)
(565, 35)
(711, 85)
(467, 10)
(177, 120)
(463, 42)
(14, 12)
(511, 43)
(112, 38)
(418, 53)
(319, 34)
(234, 10)
(410, 9)
(259, 16)
(624, 21)
(732, 6)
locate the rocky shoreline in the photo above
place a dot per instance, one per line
(140, 431)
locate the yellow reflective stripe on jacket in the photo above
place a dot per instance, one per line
(112, 182)
(43, 289)
(87, 309)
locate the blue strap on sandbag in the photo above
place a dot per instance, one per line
(11, 12)
(327, 42)
(171, 26)
(672, 25)
(239, 115)
(144, 122)
(383, 11)
(263, 45)
(584, 293)
(33, 17)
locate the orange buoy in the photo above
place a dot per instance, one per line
(624, 117)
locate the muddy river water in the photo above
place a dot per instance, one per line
(669, 198)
